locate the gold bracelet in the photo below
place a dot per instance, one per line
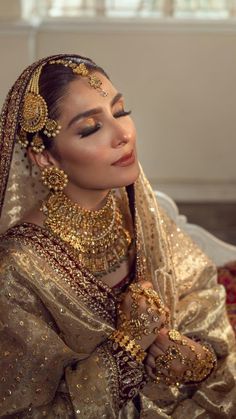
(151, 295)
(129, 345)
(197, 369)
(153, 299)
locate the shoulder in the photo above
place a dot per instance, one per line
(25, 255)
(20, 241)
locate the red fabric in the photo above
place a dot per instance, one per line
(227, 277)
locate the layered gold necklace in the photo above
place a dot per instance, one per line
(99, 237)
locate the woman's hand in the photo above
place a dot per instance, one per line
(191, 351)
(140, 319)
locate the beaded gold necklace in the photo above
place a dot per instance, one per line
(99, 237)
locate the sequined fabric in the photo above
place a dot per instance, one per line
(52, 324)
(56, 360)
(187, 280)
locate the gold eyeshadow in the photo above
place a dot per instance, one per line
(87, 123)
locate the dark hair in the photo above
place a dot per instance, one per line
(53, 84)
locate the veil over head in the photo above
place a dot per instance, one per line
(20, 186)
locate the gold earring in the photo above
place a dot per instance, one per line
(37, 144)
(54, 178)
(22, 139)
(51, 128)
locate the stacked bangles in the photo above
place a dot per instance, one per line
(129, 345)
(133, 329)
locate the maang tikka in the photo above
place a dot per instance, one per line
(34, 114)
(81, 70)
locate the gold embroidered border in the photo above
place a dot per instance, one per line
(92, 291)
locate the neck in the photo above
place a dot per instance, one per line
(91, 199)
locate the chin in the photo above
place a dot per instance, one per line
(127, 175)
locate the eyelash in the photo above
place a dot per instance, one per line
(88, 131)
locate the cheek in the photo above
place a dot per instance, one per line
(84, 156)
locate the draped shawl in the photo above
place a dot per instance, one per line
(56, 317)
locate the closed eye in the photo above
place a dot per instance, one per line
(90, 130)
(121, 113)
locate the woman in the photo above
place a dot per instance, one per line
(83, 333)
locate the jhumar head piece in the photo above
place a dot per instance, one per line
(34, 114)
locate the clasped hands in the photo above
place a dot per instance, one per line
(171, 357)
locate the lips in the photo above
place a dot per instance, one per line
(125, 160)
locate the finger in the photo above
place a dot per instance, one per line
(177, 367)
(145, 284)
(142, 304)
(162, 342)
(150, 361)
(155, 351)
(150, 372)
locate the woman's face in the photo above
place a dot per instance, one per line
(96, 145)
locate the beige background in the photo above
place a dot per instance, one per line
(179, 80)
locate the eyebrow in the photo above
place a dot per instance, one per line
(93, 111)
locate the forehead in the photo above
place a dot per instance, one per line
(81, 97)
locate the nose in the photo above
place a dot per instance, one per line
(120, 135)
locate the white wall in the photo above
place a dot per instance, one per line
(179, 81)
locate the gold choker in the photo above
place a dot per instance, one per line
(99, 237)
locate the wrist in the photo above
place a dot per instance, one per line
(130, 345)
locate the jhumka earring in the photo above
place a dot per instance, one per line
(22, 139)
(54, 178)
(37, 144)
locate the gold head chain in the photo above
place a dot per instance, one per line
(34, 114)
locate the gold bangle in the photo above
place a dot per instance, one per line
(129, 345)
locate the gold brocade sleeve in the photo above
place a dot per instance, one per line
(200, 310)
(201, 313)
(186, 280)
(56, 360)
(30, 349)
